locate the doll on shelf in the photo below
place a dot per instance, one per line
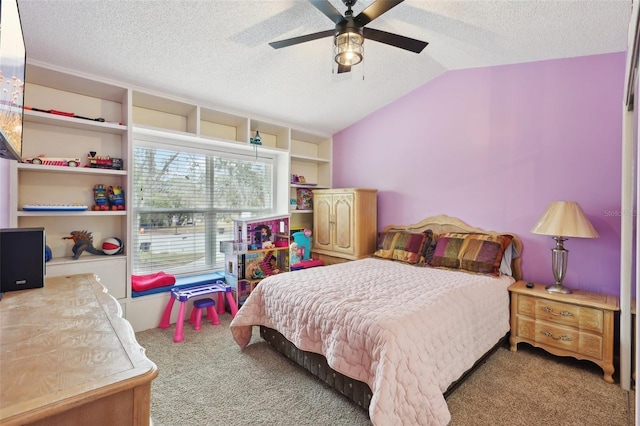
(295, 255)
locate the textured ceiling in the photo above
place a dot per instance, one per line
(216, 52)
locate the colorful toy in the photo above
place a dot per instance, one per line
(269, 264)
(183, 295)
(82, 241)
(112, 246)
(100, 197)
(97, 162)
(295, 255)
(53, 161)
(254, 271)
(303, 239)
(305, 199)
(115, 194)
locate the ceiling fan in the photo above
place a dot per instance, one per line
(350, 32)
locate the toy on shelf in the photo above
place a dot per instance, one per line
(303, 240)
(112, 246)
(82, 241)
(115, 195)
(97, 162)
(262, 236)
(53, 161)
(305, 199)
(269, 264)
(301, 180)
(295, 253)
(254, 270)
(100, 199)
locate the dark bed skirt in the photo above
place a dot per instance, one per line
(357, 392)
(354, 390)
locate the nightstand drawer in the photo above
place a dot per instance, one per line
(581, 317)
(569, 339)
(565, 338)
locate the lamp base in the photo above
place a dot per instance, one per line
(558, 288)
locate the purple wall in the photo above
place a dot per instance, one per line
(494, 146)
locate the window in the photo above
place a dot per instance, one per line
(184, 200)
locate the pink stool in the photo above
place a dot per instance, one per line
(196, 313)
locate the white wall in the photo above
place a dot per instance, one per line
(4, 193)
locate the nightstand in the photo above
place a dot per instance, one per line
(579, 324)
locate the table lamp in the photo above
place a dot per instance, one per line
(563, 219)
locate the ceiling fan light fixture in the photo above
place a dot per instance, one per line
(348, 48)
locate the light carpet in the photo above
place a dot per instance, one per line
(208, 380)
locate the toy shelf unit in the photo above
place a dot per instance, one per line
(310, 169)
(260, 249)
(75, 137)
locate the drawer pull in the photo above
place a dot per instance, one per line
(561, 314)
(563, 338)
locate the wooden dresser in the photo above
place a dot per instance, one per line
(579, 324)
(344, 224)
(67, 357)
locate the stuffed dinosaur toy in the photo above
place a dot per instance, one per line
(82, 241)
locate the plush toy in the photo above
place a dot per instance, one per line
(294, 254)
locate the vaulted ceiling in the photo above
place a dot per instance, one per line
(216, 52)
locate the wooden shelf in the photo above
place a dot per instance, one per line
(22, 213)
(73, 123)
(62, 169)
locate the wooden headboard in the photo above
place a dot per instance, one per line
(443, 223)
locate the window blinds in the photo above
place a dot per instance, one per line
(184, 202)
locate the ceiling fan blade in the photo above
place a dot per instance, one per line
(396, 40)
(344, 68)
(301, 39)
(374, 10)
(328, 10)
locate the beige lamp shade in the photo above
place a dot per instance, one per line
(565, 219)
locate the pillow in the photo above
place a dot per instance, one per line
(148, 282)
(429, 246)
(447, 252)
(386, 244)
(409, 247)
(483, 253)
(509, 254)
(472, 252)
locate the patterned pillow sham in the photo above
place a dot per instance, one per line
(448, 250)
(472, 252)
(410, 247)
(386, 244)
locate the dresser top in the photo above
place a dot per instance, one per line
(62, 344)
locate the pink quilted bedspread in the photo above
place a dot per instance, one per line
(406, 331)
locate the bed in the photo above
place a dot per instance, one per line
(394, 332)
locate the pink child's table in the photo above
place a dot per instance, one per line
(182, 295)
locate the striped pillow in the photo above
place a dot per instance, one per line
(386, 244)
(473, 252)
(410, 247)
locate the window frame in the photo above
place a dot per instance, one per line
(208, 148)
